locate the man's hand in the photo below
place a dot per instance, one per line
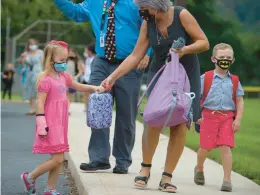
(236, 125)
(144, 62)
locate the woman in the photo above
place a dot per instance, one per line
(89, 54)
(75, 68)
(163, 24)
(32, 58)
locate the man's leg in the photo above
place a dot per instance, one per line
(126, 93)
(99, 146)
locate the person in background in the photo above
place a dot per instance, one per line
(75, 68)
(116, 30)
(33, 59)
(23, 72)
(219, 124)
(89, 54)
(8, 80)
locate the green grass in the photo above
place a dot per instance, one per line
(15, 97)
(246, 154)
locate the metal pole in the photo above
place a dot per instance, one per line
(14, 50)
(27, 29)
(49, 31)
(8, 25)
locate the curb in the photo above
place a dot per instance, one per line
(75, 174)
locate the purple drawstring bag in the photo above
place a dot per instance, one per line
(170, 101)
(99, 112)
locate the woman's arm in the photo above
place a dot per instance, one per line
(80, 67)
(133, 60)
(192, 27)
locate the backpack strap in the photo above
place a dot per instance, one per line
(208, 79)
(235, 81)
(149, 85)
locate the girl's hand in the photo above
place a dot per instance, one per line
(99, 89)
(41, 126)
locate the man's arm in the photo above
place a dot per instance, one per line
(77, 12)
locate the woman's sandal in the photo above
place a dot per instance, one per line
(164, 187)
(145, 179)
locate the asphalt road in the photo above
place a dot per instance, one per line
(16, 151)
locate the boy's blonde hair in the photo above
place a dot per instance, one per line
(48, 54)
(221, 46)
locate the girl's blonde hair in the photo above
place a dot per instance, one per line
(48, 54)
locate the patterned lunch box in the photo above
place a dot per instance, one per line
(100, 108)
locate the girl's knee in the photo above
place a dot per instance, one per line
(58, 158)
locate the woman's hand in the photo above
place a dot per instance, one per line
(181, 51)
(108, 83)
(144, 62)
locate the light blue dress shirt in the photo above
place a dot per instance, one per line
(127, 22)
(220, 93)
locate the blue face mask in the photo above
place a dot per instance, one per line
(60, 66)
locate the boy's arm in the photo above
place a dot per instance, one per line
(239, 101)
(239, 107)
(77, 12)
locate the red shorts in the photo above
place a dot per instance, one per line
(216, 129)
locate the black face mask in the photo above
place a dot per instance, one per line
(144, 13)
(224, 63)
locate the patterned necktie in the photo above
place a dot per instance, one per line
(110, 46)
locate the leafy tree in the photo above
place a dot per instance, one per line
(31, 10)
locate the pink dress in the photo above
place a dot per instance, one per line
(56, 113)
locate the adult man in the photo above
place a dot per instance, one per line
(116, 25)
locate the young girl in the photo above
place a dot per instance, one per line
(52, 116)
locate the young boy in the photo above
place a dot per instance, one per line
(222, 108)
(8, 78)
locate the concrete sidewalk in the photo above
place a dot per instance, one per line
(107, 183)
